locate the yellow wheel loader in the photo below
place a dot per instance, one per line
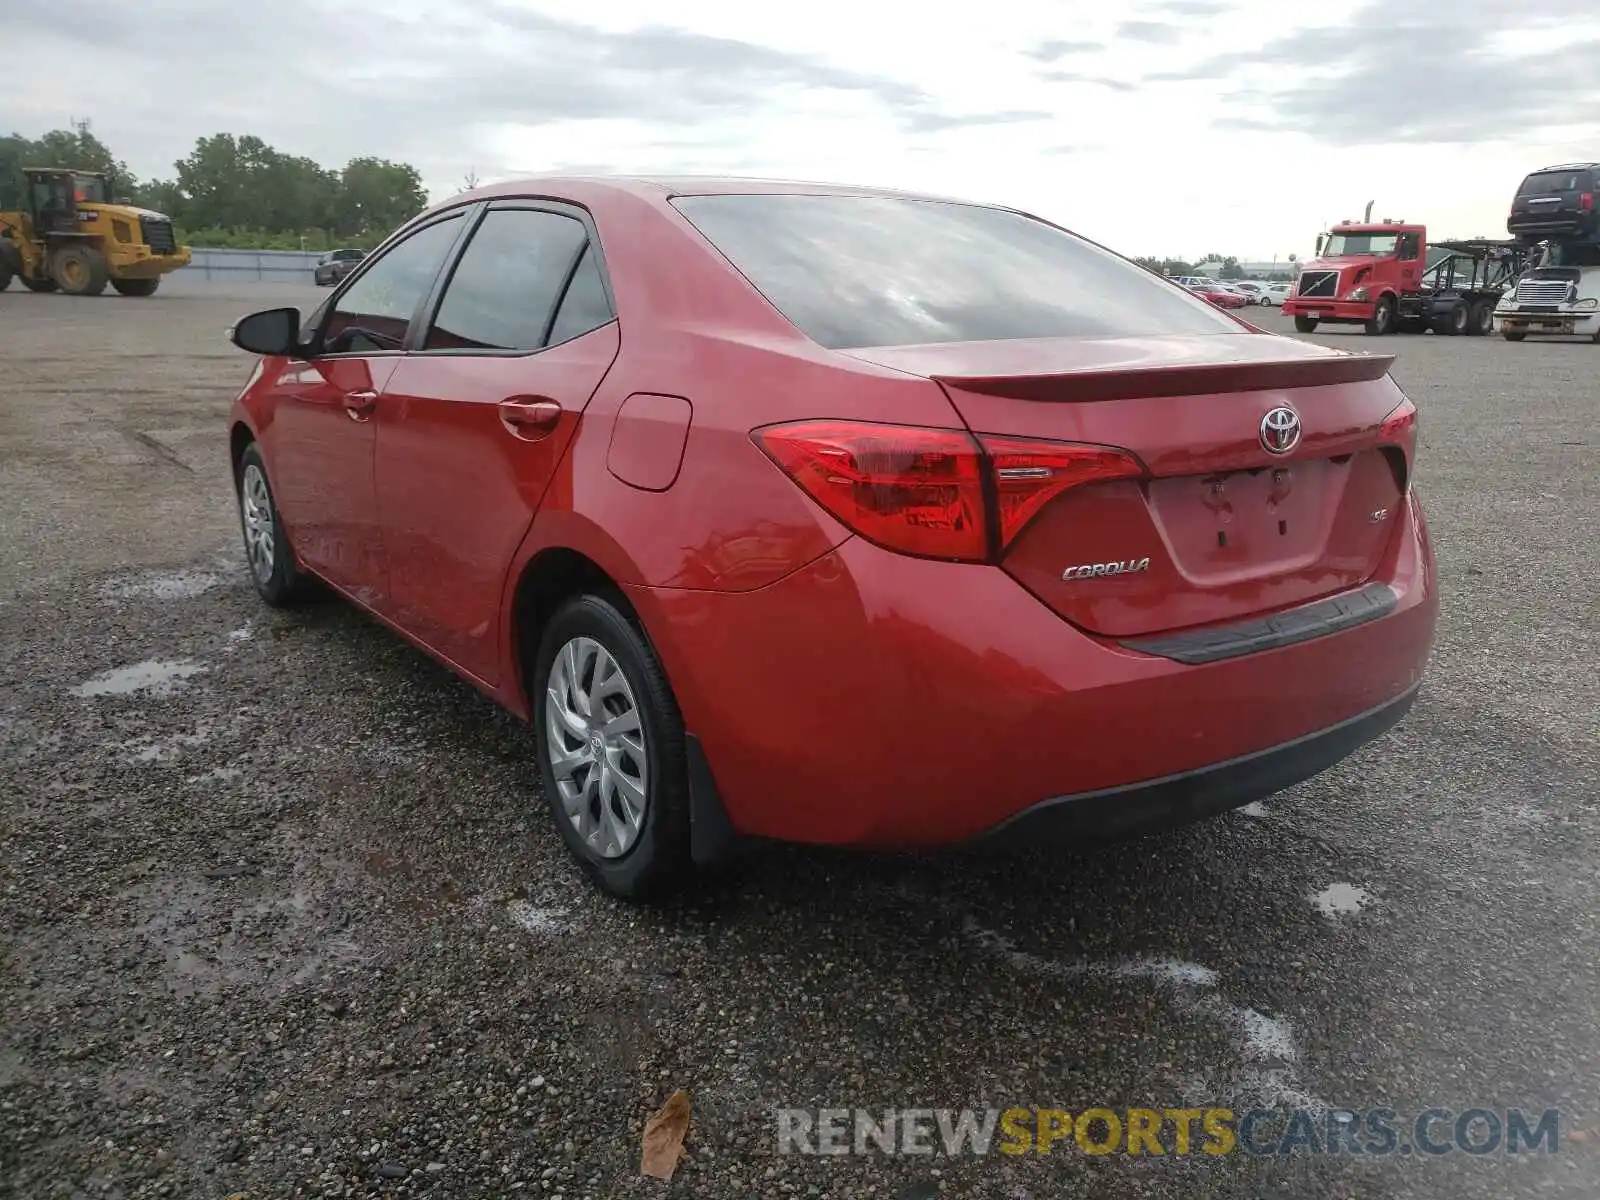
(71, 238)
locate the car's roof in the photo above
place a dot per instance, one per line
(657, 187)
(1582, 166)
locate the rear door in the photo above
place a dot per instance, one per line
(473, 424)
(1554, 200)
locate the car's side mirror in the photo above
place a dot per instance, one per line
(271, 331)
(1321, 241)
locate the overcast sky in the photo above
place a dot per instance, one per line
(1170, 127)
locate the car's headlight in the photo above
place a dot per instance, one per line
(1359, 293)
(1588, 305)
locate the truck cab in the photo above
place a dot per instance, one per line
(1560, 297)
(1361, 272)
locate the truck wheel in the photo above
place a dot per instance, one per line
(1482, 324)
(136, 287)
(5, 274)
(80, 270)
(39, 285)
(1382, 321)
(1305, 324)
(1513, 335)
(1455, 322)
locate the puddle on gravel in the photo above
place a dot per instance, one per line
(153, 677)
(1341, 900)
(383, 865)
(174, 585)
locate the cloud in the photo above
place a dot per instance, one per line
(1105, 81)
(1157, 33)
(1394, 74)
(1055, 49)
(321, 77)
(939, 122)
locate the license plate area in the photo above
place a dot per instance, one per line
(1238, 522)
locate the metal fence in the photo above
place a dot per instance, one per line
(246, 266)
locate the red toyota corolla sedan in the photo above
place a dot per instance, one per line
(841, 516)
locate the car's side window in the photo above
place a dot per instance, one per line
(585, 305)
(373, 314)
(507, 282)
(1410, 246)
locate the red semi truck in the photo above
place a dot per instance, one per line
(1385, 276)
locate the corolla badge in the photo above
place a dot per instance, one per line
(1280, 430)
(1128, 566)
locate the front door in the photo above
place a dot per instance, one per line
(320, 441)
(473, 424)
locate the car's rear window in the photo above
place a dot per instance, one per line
(1545, 183)
(856, 271)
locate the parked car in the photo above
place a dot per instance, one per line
(1220, 296)
(1249, 289)
(335, 265)
(1276, 293)
(1557, 203)
(841, 516)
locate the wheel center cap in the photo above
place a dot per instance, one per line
(597, 744)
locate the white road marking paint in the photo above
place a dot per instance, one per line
(536, 920)
(153, 677)
(1341, 900)
(175, 585)
(1256, 809)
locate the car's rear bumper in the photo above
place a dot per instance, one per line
(1328, 310)
(874, 699)
(1192, 795)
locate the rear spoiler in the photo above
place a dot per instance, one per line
(1180, 379)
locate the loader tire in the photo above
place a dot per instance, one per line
(39, 285)
(80, 270)
(136, 287)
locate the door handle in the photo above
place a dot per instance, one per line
(530, 418)
(359, 405)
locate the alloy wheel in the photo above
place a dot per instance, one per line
(595, 737)
(260, 540)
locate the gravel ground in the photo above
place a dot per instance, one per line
(279, 912)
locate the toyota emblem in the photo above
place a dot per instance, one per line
(1280, 431)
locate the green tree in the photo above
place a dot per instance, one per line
(236, 190)
(375, 193)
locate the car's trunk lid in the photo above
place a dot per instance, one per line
(1220, 529)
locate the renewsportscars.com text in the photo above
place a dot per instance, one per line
(1166, 1131)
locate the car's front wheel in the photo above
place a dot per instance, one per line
(611, 748)
(272, 567)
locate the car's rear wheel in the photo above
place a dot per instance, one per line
(1482, 319)
(1513, 335)
(272, 567)
(611, 748)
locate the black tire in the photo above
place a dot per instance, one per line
(658, 857)
(1481, 323)
(136, 287)
(79, 270)
(1305, 324)
(1513, 335)
(1382, 317)
(5, 275)
(284, 584)
(39, 285)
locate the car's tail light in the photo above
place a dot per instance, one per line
(1586, 201)
(934, 493)
(1398, 437)
(1028, 475)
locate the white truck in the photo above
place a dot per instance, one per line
(1560, 297)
